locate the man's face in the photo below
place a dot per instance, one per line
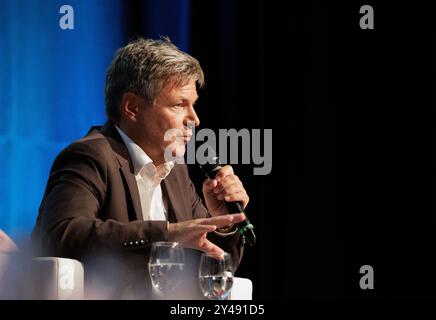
(173, 108)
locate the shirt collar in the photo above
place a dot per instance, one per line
(142, 163)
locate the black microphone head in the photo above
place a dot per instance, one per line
(211, 167)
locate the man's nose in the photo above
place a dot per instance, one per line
(192, 117)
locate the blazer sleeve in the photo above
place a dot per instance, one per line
(70, 220)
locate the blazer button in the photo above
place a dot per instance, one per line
(125, 244)
(137, 243)
(131, 243)
(142, 241)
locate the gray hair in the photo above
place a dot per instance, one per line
(143, 67)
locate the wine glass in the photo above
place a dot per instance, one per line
(166, 264)
(216, 275)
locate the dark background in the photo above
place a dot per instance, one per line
(349, 184)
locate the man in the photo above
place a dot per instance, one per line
(113, 193)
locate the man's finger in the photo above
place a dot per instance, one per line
(229, 180)
(232, 189)
(235, 197)
(203, 228)
(209, 185)
(209, 247)
(224, 220)
(223, 172)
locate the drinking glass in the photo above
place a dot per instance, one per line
(166, 264)
(216, 275)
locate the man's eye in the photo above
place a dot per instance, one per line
(179, 105)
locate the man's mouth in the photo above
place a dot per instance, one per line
(185, 137)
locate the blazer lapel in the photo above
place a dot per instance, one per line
(130, 180)
(169, 210)
(177, 208)
(126, 165)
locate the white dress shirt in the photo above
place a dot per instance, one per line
(148, 177)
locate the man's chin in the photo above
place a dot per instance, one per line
(176, 154)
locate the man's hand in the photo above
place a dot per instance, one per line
(192, 233)
(225, 187)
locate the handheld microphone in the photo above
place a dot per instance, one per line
(245, 228)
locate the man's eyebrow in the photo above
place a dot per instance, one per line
(184, 98)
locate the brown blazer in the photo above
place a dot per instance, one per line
(91, 206)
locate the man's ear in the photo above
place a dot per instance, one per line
(130, 105)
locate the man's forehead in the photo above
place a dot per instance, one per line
(185, 90)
